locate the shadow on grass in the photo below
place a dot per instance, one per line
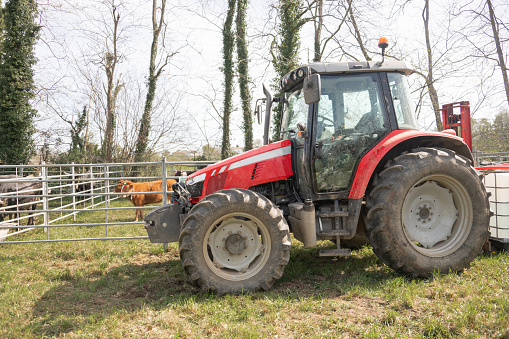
(81, 297)
(84, 297)
(309, 275)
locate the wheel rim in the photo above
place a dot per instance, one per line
(437, 215)
(237, 246)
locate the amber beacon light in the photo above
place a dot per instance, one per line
(383, 43)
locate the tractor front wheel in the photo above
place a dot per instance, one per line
(234, 241)
(428, 211)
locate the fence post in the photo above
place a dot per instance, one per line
(45, 204)
(73, 185)
(163, 165)
(60, 189)
(165, 198)
(18, 215)
(107, 197)
(92, 187)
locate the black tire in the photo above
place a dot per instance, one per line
(234, 241)
(410, 222)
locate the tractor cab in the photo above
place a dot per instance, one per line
(359, 103)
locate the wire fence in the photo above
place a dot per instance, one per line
(77, 202)
(481, 158)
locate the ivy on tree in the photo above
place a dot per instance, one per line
(230, 37)
(285, 53)
(17, 89)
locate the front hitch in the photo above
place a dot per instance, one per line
(163, 224)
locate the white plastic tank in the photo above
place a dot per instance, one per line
(496, 180)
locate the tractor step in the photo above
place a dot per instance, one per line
(337, 252)
(332, 214)
(333, 233)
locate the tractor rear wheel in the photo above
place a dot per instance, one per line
(234, 241)
(428, 211)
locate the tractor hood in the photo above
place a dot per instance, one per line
(258, 166)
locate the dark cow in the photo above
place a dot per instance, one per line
(10, 190)
(3, 203)
(180, 173)
(83, 187)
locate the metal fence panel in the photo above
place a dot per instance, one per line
(481, 158)
(63, 195)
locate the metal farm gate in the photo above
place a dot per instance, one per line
(481, 158)
(76, 202)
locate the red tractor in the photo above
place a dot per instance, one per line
(350, 164)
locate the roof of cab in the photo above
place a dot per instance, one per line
(361, 66)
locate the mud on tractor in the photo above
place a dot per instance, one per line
(351, 166)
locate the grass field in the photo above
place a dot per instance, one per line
(132, 288)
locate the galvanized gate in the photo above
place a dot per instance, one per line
(76, 202)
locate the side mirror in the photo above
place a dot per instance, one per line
(259, 110)
(312, 89)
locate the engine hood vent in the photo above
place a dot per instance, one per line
(257, 170)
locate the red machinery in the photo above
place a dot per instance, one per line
(351, 167)
(459, 122)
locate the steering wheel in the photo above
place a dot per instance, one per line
(324, 119)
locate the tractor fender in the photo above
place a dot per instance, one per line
(396, 143)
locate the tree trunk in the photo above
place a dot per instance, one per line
(285, 57)
(110, 63)
(20, 33)
(228, 45)
(242, 56)
(142, 141)
(500, 53)
(318, 22)
(357, 32)
(429, 78)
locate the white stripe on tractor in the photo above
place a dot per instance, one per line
(260, 157)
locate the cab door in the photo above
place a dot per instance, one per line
(349, 120)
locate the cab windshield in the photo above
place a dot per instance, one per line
(295, 111)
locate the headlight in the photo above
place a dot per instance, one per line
(196, 189)
(195, 185)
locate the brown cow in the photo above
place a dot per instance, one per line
(126, 186)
